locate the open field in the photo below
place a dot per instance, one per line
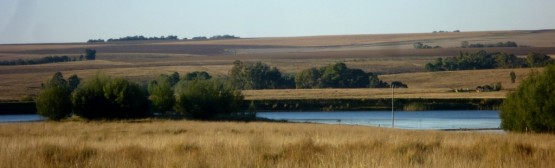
(257, 144)
(389, 54)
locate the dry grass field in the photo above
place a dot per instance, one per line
(417, 93)
(258, 144)
(164, 143)
(388, 54)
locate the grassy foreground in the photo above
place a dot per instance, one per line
(258, 144)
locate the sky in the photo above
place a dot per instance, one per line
(48, 21)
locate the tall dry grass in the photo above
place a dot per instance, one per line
(256, 144)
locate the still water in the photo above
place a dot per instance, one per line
(20, 118)
(469, 119)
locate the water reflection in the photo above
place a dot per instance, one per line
(468, 119)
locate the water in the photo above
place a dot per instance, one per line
(468, 119)
(20, 118)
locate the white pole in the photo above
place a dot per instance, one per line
(392, 106)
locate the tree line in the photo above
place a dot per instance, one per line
(420, 45)
(169, 37)
(105, 98)
(485, 60)
(90, 54)
(465, 44)
(195, 95)
(261, 76)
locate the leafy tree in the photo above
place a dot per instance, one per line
(538, 59)
(102, 97)
(532, 106)
(337, 75)
(375, 82)
(398, 84)
(162, 93)
(90, 54)
(513, 76)
(485, 60)
(198, 75)
(205, 99)
(54, 100)
(73, 81)
(308, 78)
(257, 76)
(464, 44)
(174, 78)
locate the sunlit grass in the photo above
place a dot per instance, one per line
(257, 144)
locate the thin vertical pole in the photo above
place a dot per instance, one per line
(392, 107)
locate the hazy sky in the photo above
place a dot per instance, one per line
(34, 21)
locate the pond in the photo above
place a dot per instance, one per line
(467, 119)
(20, 118)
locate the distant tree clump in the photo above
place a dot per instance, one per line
(337, 76)
(199, 38)
(465, 44)
(102, 97)
(95, 41)
(538, 60)
(197, 75)
(258, 76)
(44, 60)
(206, 99)
(90, 54)
(54, 99)
(485, 60)
(420, 45)
(398, 84)
(532, 106)
(226, 36)
(142, 38)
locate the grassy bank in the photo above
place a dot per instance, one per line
(230, 144)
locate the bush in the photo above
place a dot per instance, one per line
(104, 98)
(54, 100)
(532, 106)
(337, 75)
(205, 99)
(161, 93)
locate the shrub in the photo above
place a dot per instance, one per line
(104, 98)
(54, 100)
(161, 93)
(532, 106)
(204, 99)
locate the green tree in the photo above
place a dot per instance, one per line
(308, 78)
(73, 81)
(174, 78)
(197, 75)
(205, 99)
(102, 97)
(538, 59)
(532, 106)
(90, 54)
(257, 76)
(161, 93)
(54, 99)
(513, 76)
